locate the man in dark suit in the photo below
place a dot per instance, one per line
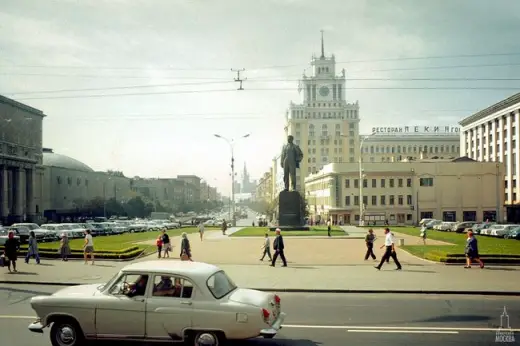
(278, 248)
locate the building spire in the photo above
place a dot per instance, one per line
(322, 46)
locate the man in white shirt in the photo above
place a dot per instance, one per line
(389, 251)
(201, 230)
(88, 247)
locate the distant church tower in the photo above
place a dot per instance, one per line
(245, 180)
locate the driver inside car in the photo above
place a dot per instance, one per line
(138, 288)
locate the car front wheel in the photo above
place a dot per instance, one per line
(66, 332)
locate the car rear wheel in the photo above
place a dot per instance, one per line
(66, 332)
(207, 339)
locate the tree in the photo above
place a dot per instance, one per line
(135, 207)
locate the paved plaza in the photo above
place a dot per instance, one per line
(314, 264)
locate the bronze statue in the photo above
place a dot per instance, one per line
(290, 160)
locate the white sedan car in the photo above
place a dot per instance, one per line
(159, 301)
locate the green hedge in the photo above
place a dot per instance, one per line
(44, 249)
(487, 259)
(101, 255)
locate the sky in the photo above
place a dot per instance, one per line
(143, 86)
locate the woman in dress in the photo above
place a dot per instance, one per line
(64, 247)
(472, 251)
(11, 247)
(185, 247)
(32, 251)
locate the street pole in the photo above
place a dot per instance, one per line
(233, 210)
(497, 212)
(104, 199)
(231, 143)
(361, 204)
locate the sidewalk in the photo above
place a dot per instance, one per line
(413, 278)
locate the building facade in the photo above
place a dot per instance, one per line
(406, 192)
(493, 135)
(394, 147)
(21, 171)
(264, 188)
(323, 123)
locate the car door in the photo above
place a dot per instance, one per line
(122, 314)
(169, 308)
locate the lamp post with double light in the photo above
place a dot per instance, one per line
(361, 178)
(231, 142)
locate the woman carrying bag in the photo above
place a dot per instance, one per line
(185, 248)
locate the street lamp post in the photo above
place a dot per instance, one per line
(361, 178)
(361, 181)
(231, 143)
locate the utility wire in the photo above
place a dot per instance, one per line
(98, 76)
(261, 81)
(258, 89)
(171, 68)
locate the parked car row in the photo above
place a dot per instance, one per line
(54, 231)
(492, 229)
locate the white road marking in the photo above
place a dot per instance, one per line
(354, 329)
(460, 329)
(402, 331)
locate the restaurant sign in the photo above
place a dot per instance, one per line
(417, 129)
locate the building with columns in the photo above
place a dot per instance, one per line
(406, 192)
(323, 123)
(493, 135)
(395, 146)
(21, 171)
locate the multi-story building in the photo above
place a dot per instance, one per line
(323, 123)
(406, 192)
(493, 135)
(193, 188)
(264, 188)
(395, 146)
(21, 171)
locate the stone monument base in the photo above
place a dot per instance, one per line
(290, 212)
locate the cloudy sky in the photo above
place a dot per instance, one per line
(142, 86)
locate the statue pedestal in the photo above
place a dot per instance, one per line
(290, 212)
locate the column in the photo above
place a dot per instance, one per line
(4, 194)
(18, 194)
(29, 194)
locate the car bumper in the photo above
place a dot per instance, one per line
(36, 327)
(275, 327)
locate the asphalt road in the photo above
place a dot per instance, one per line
(332, 319)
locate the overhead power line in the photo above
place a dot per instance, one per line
(145, 86)
(104, 76)
(258, 89)
(205, 69)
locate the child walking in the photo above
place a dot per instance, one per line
(266, 247)
(159, 244)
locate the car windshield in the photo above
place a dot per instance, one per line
(109, 283)
(220, 285)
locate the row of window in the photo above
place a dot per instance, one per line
(467, 215)
(374, 149)
(326, 115)
(391, 182)
(59, 180)
(392, 200)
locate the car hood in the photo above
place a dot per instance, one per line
(250, 297)
(80, 290)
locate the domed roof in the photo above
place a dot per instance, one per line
(56, 160)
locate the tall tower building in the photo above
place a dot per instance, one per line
(324, 124)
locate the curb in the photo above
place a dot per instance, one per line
(301, 290)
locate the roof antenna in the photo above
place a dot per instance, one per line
(322, 46)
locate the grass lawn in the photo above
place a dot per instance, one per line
(261, 231)
(117, 242)
(487, 245)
